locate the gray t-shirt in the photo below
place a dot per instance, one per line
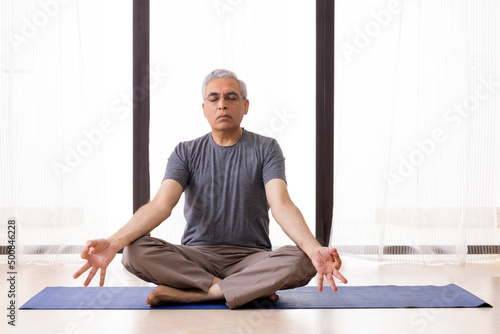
(225, 198)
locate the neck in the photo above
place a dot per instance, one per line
(225, 138)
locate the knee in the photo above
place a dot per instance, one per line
(133, 252)
(128, 255)
(301, 263)
(300, 269)
(305, 266)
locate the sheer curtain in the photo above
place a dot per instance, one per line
(417, 130)
(268, 44)
(64, 124)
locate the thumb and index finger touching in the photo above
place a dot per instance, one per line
(337, 264)
(86, 253)
(87, 249)
(335, 273)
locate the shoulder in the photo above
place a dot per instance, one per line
(266, 149)
(188, 146)
(260, 141)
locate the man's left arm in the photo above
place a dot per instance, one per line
(325, 259)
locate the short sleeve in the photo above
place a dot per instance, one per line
(274, 163)
(177, 168)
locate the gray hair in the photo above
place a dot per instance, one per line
(221, 73)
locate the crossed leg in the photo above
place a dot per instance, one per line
(186, 275)
(163, 295)
(183, 274)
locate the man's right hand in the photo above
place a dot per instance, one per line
(99, 254)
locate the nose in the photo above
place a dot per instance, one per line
(222, 103)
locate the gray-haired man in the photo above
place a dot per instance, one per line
(230, 177)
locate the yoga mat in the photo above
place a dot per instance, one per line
(387, 296)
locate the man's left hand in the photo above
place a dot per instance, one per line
(327, 262)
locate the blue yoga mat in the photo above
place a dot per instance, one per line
(388, 296)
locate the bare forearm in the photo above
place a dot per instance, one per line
(294, 225)
(142, 222)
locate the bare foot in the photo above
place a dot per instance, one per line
(274, 298)
(163, 295)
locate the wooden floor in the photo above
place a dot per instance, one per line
(483, 280)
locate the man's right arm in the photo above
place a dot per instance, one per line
(149, 216)
(99, 253)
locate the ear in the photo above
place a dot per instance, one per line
(246, 105)
(203, 107)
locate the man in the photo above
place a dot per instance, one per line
(231, 177)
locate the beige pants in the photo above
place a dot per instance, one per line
(246, 273)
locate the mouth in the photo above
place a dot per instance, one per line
(224, 117)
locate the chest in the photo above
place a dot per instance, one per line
(227, 168)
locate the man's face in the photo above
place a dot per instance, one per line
(223, 106)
